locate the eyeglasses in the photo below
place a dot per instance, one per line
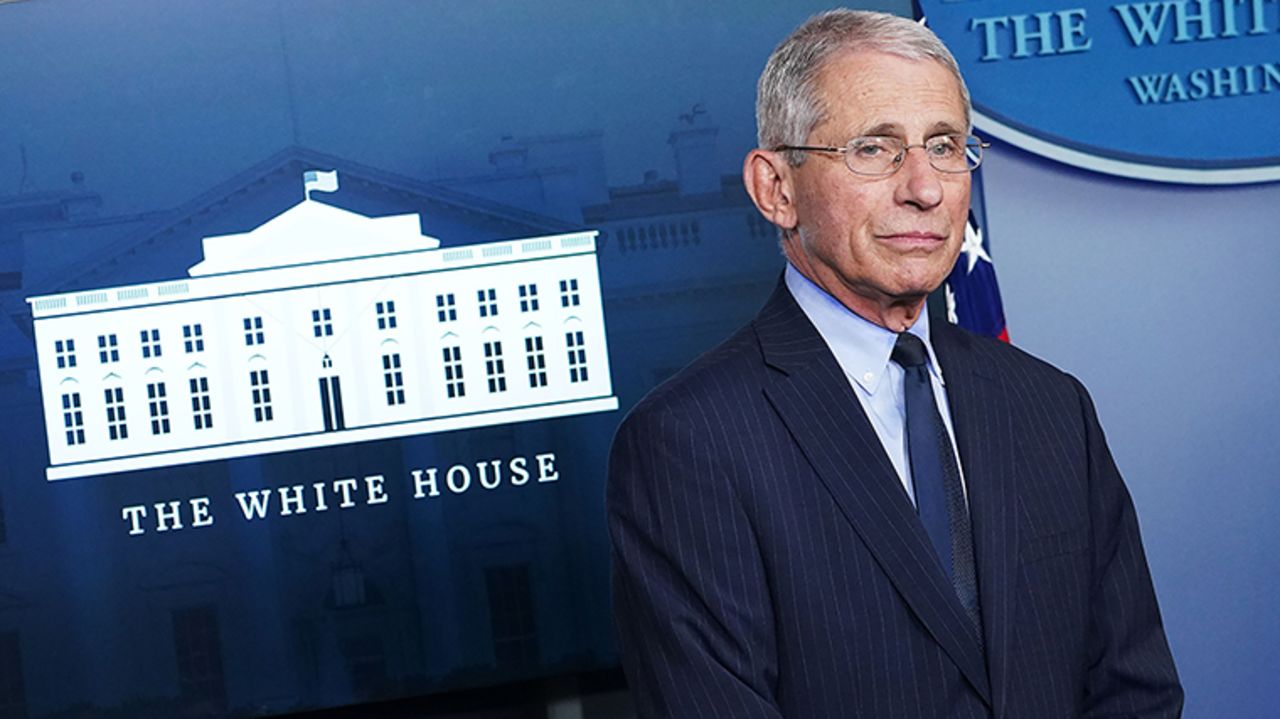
(878, 156)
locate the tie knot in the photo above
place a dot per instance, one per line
(909, 351)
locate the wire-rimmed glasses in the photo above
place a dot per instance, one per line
(881, 155)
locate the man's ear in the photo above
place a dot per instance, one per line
(768, 179)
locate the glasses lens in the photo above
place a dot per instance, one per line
(953, 153)
(873, 155)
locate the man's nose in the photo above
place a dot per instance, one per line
(918, 183)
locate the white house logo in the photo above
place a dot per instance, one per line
(320, 327)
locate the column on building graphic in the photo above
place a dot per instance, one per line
(320, 327)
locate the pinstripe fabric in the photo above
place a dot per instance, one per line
(768, 563)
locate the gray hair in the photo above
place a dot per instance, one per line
(787, 102)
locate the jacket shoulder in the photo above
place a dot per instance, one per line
(727, 374)
(1032, 383)
(992, 356)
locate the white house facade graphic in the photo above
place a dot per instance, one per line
(320, 327)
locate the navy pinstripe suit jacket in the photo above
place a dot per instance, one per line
(768, 563)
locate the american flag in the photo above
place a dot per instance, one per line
(971, 292)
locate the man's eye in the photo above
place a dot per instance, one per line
(944, 147)
(869, 149)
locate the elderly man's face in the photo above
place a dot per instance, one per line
(876, 242)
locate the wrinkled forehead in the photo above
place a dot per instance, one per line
(876, 92)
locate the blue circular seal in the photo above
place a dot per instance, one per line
(1181, 91)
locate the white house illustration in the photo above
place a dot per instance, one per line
(320, 327)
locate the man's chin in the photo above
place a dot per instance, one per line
(910, 292)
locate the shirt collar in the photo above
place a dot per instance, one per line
(862, 348)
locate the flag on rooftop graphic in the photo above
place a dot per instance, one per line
(318, 181)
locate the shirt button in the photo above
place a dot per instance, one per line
(867, 377)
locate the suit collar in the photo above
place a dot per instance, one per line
(861, 347)
(787, 338)
(816, 403)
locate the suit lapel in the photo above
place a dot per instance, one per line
(982, 417)
(814, 400)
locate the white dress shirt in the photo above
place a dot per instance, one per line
(862, 349)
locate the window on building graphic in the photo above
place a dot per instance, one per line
(488, 300)
(322, 322)
(446, 308)
(158, 407)
(65, 351)
(73, 418)
(453, 385)
(528, 298)
(348, 586)
(108, 349)
(201, 412)
(193, 338)
(386, 315)
(198, 650)
(536, 360)
(494, 368)
(577, 356)
(393, 378)
(253, 334)
(569, 293)
(512, 616)
(366, 665)
(150, 343)
(116, 427)
(261, 391)
(13, 690)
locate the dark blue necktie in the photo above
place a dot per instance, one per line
(939, 495)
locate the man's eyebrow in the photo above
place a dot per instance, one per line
(945, 128)
(893, 129)
(886, 129)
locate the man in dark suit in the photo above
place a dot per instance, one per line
(846, 510)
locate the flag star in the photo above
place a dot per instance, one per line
(950, 295)
(972, 247)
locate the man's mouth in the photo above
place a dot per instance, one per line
(913, 238)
